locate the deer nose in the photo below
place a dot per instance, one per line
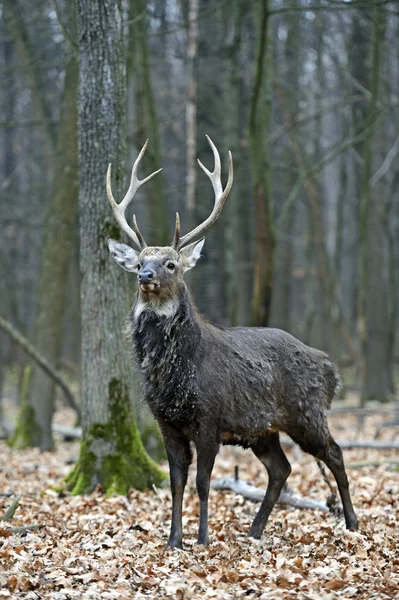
(145, 276)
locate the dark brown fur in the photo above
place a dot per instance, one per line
(209, 385)
(212, 386)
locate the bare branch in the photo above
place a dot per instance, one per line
(386, 165)
(20, 339)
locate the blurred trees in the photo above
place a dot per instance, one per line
(259, 126)
(304, 94)
(34, 425)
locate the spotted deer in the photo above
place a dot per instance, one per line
(211, 385)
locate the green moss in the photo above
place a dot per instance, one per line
(80, 479)
(27, 431)
(110, 229)
(153, 442)
(127, 465)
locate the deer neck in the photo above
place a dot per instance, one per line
(163, 328)
(166, 349)
(163, 305)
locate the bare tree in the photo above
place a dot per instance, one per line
(373, 317)
(111, 452)
(261, 105)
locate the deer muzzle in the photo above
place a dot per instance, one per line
(147, 280)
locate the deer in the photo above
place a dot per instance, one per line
(208, 385)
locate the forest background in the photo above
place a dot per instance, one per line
(304, 94)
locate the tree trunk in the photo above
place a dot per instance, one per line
(373, 293)
(111, 451)
(59, 233)
(146, 120)
(258, 127)
(289, 69)
(238, 231)
(19, 34)
(191, 110)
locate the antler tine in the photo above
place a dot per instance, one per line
(120, 209)
(220, 195)
(176, 236)
(138, 233)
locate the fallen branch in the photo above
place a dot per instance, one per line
(361, 411)
(10, 512)
(253, 493)
(74, 433)
(371, 463)
(390, 423)
(351, 444)
(9, 515)
(47, 367)
(23, 528)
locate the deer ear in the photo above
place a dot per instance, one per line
(190, 254)
(124, 255)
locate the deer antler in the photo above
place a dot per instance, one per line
(220, 199)
(120, 209)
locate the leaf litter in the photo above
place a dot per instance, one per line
(114, 548)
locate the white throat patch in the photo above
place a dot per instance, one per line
(162, 309)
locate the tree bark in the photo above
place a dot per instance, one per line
(146, 120)
(238, 240)
(258, 126)
(282, 293)
(59, 233)
(111, 452)
(191, 109)
(373, 315)
(19, 34)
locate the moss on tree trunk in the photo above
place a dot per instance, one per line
(27, 429)
(112, 453)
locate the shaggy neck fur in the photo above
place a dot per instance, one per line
(166, 338)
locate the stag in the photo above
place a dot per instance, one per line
(210, 385)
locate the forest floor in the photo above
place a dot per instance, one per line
(93, 547)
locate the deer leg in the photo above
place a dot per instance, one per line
(332, 456)
(320, 444)
(206, 454)
(269, 452)
(179, 456)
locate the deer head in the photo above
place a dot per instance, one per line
(160, 270)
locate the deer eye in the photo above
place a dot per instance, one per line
(171, 266)
(138, 266)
